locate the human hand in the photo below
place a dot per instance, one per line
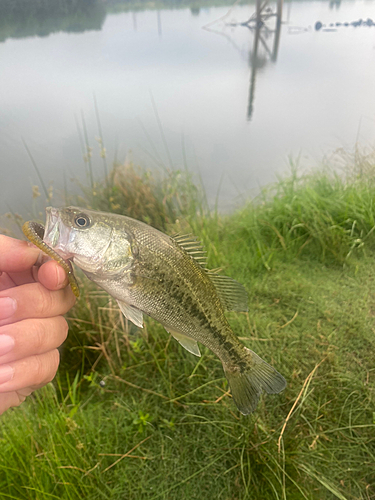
(32, 327)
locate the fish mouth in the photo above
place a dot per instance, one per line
(56, 234)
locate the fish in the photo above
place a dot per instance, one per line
(165, 277)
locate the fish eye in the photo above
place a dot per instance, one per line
(82, 220)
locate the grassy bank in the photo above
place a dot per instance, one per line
(134, 416)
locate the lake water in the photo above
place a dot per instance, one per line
(235, 115)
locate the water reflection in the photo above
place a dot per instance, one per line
(23, 18)
(335, 4)
(26, 18)
(266, 39)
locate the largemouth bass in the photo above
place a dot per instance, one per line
(149, 272)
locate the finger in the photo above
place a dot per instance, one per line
(6, 281)
(16, 256)
(9, 280)
(32, 372)
(11, 399)
(52, 276)
(33, 300)
(30, 337)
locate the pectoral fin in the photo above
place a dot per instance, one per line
(187, 342)
(131, 313)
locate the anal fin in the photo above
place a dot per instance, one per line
(131, 313)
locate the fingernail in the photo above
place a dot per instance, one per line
(6, 373)
(6, 344)
(61, 276)
(8, 307)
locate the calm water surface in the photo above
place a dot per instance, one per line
(236, 114)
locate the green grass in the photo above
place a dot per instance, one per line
(164, 426)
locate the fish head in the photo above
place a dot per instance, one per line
(95, 241)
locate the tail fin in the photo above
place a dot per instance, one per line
(249, 383)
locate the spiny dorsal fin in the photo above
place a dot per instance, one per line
(192, 246)
(232, 294)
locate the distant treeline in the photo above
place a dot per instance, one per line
(23, 18)
(193, 5)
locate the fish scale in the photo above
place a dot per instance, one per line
(149, 272)
(191, 296)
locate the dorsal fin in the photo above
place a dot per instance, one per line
(232, 294)
(192, 246)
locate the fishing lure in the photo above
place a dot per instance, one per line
(35, 233)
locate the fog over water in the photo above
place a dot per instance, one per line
(235, 101)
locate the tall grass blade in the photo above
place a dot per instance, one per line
(45, 190)
(88, 152)
(101, 142)
(161, 131)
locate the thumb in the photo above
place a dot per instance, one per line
(52, 276)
